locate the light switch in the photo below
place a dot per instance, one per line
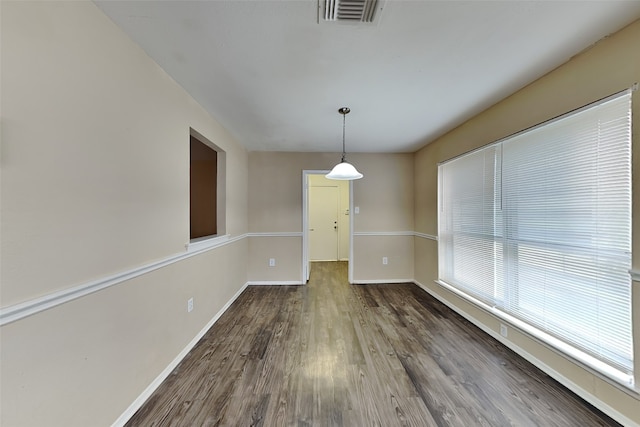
(356, 210)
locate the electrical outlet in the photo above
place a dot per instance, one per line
(190, 305)
(272, 262)
(356, 210)
(385, 260)
(503, 330)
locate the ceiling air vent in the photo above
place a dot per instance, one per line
(350, 10)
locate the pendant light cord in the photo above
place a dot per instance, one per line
(343, 146)
(343, 170)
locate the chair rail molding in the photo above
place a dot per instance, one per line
(33, 306)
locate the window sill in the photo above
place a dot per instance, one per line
(205, 243)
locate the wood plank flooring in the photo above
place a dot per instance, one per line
(334, 354)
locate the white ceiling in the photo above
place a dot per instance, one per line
(275, 78)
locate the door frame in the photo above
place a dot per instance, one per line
(305, 224)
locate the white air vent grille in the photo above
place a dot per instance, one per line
(350, 10)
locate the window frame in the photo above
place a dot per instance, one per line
(591, 363)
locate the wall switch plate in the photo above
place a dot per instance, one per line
(385, 260)
(190, 305)
(356, 210)
(272, 262)
(503, 330)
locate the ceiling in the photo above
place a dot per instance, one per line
(274, 76)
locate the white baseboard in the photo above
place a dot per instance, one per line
(131, 410)
(274, 282)
(381, 281)
(593, 400)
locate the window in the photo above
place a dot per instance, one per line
(537, 227)
(205, 188)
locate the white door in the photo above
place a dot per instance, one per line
(323, 223)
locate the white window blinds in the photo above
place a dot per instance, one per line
(538, 226)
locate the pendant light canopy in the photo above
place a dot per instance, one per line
(343, 170)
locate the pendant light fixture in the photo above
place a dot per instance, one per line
(343, 170)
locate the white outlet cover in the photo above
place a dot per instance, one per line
(503, 330)
(190, 305)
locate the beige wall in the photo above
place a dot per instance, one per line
(608, 67)
(287, 252)
(368, 252)
(95, 182)
(384, 196)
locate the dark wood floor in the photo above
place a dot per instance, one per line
(332, 354)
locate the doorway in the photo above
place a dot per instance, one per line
(327, 223)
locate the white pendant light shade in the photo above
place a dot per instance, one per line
(344, 171)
